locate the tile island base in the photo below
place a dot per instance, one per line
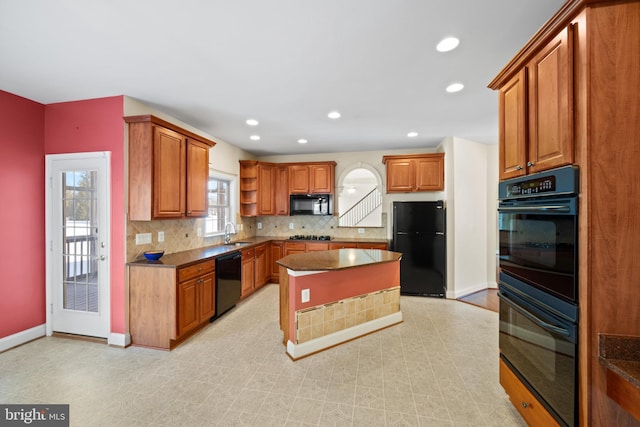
(330, 297)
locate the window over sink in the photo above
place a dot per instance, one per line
(221, 192)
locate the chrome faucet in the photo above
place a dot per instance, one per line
(227, 234)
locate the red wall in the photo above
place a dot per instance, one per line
(97, 125)
(22, 255)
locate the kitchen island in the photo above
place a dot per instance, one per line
(330, 297)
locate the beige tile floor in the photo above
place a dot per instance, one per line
(438, 368)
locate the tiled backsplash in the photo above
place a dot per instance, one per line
(182, 234)
(179, 235)
(316, 225)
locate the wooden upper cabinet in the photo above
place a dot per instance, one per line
(168, 170)
(551, 104)
(197, 177)
(513, 127)
(266, 190)
(430, 173)
(169, 177)
(281, 190)
(400, 172)
(265, 187)
(414, 172)
(299, 179)
(536, 111)
(321, 178)
(312, 178)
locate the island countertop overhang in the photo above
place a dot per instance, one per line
(337, 259)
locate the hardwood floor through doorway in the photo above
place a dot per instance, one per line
(487, 298)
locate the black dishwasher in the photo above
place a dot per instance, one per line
(228, 286)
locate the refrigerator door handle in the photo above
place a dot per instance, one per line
(440, 233)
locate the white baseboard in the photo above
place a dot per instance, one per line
(119, 340)
(22, 337)
(468, 291)
(296, 351)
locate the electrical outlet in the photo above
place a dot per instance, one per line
(290, 226)
(259, 226)
(306, 295)
(360, 230)
(160, 236)
(143, 238)
(199, 231)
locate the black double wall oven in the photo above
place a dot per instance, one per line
(538, 286)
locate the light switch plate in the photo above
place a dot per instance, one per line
(259, 226)
(160, 236)
(360, 230)
(290, 226)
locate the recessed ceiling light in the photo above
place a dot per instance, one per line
(455, 87)
(252, 122)
(255, 137)
(412, 134)
(447, 44)
(334, 115)
(302, 141)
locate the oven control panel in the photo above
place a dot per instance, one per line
(532, 186)
(563, 181)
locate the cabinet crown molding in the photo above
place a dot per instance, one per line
(149, 118)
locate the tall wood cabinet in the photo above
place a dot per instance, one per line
(588, 53)
(414, 172)
(168, 170)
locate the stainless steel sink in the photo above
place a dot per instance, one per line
(240, 243)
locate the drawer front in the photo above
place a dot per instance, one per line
(195, 270)
(527, 405)
(248, 253)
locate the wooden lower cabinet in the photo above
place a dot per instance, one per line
(317, 246)
(248, 271)
(166, 305)
(261, 266)
(196, 302)
(294, 248)
(527, 405)
(382, 246)
(342, 245)
(277, 252)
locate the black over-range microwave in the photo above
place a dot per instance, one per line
(311, 204)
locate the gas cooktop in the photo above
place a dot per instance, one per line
(309, 237)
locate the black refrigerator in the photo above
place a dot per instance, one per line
(419, 234)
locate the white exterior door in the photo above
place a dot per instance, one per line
(78, 243)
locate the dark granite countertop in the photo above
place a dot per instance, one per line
(621, 354)
(337, 259)
(185, 258)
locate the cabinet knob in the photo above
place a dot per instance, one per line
(529, 164)
(525, 405)
(518, 168)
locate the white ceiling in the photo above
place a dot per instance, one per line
(287, 63)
